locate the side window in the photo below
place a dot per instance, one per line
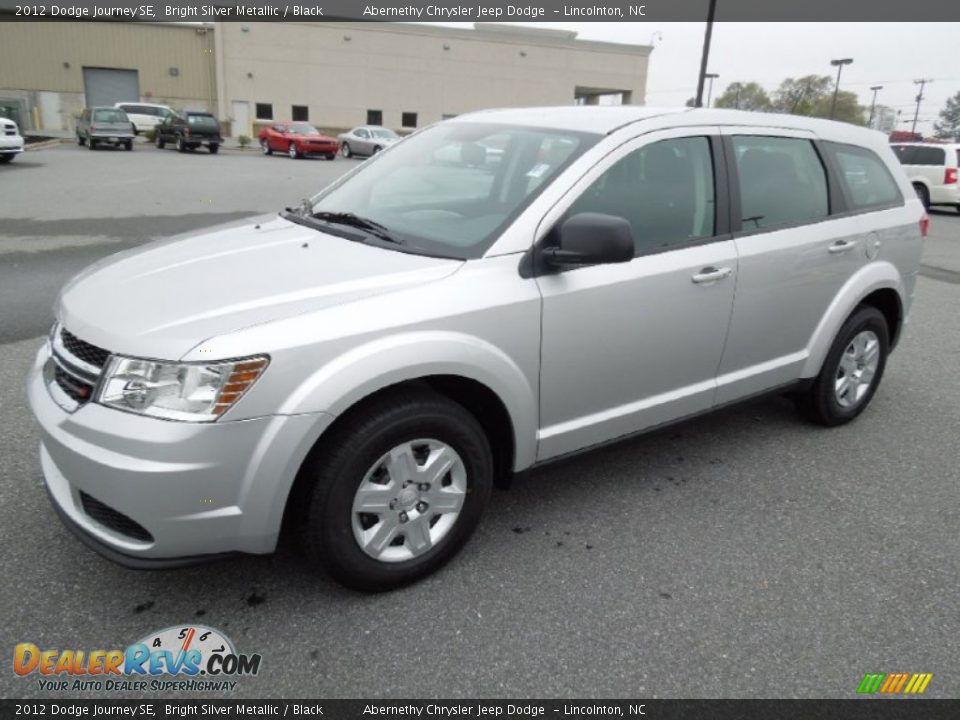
(931, 156)
(782, 181)
(907, 154)
(664, 190)
(363, 134)
(865, 180)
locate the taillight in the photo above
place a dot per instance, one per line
(186, 132)
(924, 225)
(950, 176)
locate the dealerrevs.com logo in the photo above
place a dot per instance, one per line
(194, 656)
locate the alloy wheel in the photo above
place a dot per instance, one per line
(857, 369)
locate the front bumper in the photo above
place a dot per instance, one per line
(199, 490)
(115, 138)
(10, 144)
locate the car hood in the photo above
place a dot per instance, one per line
(162, 299)
(319, 136)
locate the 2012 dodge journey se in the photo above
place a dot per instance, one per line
(493, 292)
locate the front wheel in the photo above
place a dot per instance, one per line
(395, 491)
(181, 145)
(91, 143)
(346, 151)
(293, 151)
(851, 372)
(5, 158)
(265, 147)
(214, 148)
(128, 145)
(333, 156)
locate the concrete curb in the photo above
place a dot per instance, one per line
(45, 144)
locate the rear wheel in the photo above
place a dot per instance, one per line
(396, 492)
(91, 143)
(346, 151)
(923, 194)
(158, 140)
(181, 145)
(293, 151)
(80, 141)
(214, 148)
(376, 149)
(851, 372)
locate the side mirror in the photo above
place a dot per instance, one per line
(590, 239)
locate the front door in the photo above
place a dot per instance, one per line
(633, 345)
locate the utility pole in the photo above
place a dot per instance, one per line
(873, 103)
(737, 101)
(711, 11)
(838, 64)
(922, 82)
(711, 77)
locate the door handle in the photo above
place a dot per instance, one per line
(841, 246)
(711, 274)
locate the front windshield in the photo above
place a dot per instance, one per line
(451, 189)
(302, 129)
(383, 133)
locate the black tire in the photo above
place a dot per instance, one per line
(159, 141)
(376, 149)
(214, 149)
(80, 141)
(293, 152)
(819, 402)
(332, 156)
(91, 143)
(6, 158)
(181, 145)
(331, 477)
(923, 194)
(128, 145)
(265, 148)
(346, 151)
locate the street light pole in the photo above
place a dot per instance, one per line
(737, 101)
(922, 82)
(839, 65)
(711, 11)
(711, 77)
(873, 103)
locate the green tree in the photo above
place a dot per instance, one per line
(813, 95)
(745, 96)
(948, 126)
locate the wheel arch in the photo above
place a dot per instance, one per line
(878, 284)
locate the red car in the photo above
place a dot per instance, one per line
(297, 139)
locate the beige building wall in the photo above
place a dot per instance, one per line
(42, 65)
(340, 70)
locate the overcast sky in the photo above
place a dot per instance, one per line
(888, 54)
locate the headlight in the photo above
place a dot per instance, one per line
(178, 391)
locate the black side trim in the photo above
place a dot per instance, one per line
(135, 563)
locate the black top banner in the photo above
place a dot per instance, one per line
(482, 10)
(864, 709)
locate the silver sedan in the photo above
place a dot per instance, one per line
(366, 140)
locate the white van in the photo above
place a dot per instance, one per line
(933, 170)
(144, 116)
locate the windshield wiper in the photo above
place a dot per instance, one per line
(352, 220)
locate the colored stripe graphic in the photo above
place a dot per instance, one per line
(894, 683)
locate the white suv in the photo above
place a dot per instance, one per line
(933, 170)
(11, 144)
(144, 116)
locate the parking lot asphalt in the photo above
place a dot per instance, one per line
(743, 554)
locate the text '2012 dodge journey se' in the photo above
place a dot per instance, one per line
(493, 292)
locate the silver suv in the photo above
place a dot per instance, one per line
(491, 293)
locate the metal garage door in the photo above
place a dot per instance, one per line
(107, 86)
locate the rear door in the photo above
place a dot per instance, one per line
(633, 345)
(793, 257)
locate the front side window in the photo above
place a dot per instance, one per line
(664, 190)
(451, 189)
(865, 180)
(782, 181)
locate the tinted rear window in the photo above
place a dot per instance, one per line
(866, 182)
(920, 155)
(207, 121)
(110, 116)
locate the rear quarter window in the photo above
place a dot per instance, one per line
(864, 178)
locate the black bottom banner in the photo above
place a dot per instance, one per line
(859, 709)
